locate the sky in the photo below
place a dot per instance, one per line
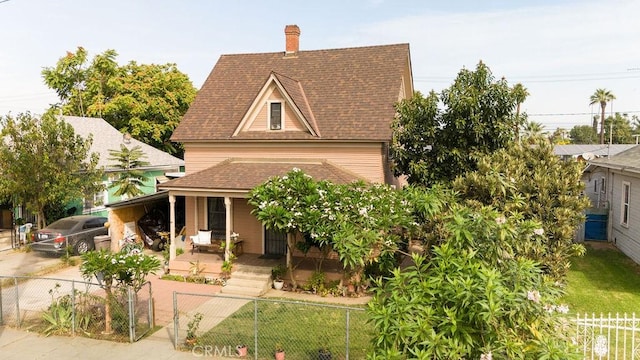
(560, 50)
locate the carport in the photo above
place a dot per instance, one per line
(123, 215)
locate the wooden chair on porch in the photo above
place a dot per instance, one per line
(203, 239)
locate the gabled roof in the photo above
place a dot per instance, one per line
(346, 94)
(626, 161)
(245, 174)
(106, 137)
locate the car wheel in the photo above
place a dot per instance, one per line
(158, 245)
(82, 246)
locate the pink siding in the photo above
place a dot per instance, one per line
(365, 160)
(247, 226)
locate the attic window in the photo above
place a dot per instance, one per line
(275, 116)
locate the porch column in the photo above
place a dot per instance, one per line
(172, 226)
(228, 208)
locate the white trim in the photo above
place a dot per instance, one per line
(625, 206)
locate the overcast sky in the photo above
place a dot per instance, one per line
(561, 50)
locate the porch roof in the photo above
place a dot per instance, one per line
(245, 174)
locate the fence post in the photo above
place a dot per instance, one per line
(255, 329)
(152, 315)
(175, 320)
(132, 316)
(73, 308)
(1, 319)
(347, 335)
(15, 283)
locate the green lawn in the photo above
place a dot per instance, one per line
(603, 281)
(301, 329)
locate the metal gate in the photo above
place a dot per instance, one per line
(595, 227)
(607, 336)
(275, 242)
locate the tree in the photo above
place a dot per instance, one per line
(618, 129)
(533, 183)
(583, 134)
(362, 223)
(118, 271)
(475, 298)
(45, 163)
(431, 145)
(130, 178)
(533, 131)
(559, 137)
(520, 94)
(146, 101)
(602, 97)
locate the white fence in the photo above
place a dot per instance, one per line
(608, 337)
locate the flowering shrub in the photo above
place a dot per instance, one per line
(478, 296)
(361, 222)
(118, 270)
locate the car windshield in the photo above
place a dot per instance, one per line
(62, 224)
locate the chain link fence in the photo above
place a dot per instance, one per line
(231, 326)
(70, 307)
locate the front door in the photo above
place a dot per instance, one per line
(275, 242)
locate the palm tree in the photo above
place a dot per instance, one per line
(533, 130)
(601, 96)
(129, 177)
(520, 93)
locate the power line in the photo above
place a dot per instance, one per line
(582, 113)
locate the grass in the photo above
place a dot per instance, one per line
(603, 281)
(301, 329)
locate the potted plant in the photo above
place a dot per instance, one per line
(192, 329)
(277, 273)
(279, 354)
(241, 350)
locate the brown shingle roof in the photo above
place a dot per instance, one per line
(245, 174)
(349, 93)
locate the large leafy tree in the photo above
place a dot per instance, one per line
(618, 129)
(583, 134)
(146, 101)
(432, 143)
(533, 183)
(130, 176)
(44, 163)
(602, 97)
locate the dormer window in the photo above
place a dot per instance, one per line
(275, 116)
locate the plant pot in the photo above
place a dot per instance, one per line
(279, 355)
(241, 350)
(278, 284)
(324, 355)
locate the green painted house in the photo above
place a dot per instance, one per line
(162, 166)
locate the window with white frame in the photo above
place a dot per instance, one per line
(626, 194)
(95, 201)
(275, 115)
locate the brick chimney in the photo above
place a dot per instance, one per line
(292, 34)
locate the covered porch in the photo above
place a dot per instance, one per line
(216, 201)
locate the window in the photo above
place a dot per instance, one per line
(97, 200)
(626, 193)
(217, 216)
(275, 116)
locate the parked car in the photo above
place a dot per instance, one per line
(75, 231)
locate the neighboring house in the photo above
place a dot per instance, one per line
(105, 138)
(615, 182)
(589, 151)
(326, 112)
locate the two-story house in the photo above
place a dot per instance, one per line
(326, 112)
